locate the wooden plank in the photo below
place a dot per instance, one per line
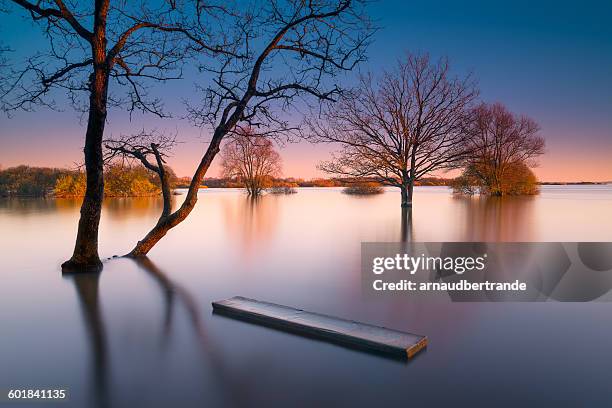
(332, 329)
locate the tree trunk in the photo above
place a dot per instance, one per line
(407, 190)
(410, 192)
(404, 190)
(85, 256)
(164, 180)
(164, 224)
(408, 180)
(167, 222)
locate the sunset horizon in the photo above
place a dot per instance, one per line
(301, 159)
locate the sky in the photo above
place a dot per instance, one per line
(551, 61)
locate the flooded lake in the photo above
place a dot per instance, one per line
(143, 334)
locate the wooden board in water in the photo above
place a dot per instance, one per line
(333, 329)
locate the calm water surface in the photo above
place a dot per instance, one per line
(142, 334)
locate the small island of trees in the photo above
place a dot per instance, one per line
(502, 147)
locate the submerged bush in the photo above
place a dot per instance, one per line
(365, 188)
(282, 190)
(517, 179)
(283, 187)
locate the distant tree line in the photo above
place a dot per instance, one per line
(122, 181)
(233, 182)
(131, 180)
(26, 181)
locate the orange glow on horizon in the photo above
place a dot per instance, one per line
(561, 162)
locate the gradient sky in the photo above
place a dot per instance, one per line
(551, 61)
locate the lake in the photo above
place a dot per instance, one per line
(143, 334)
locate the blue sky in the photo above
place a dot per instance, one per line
(550, 60)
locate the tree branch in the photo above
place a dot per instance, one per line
(62, 13)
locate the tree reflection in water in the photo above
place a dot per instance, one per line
(173, 295)
(87, 287)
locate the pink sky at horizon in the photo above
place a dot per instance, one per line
(565, 160)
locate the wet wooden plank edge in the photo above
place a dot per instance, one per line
(322, 334)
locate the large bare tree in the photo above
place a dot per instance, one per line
(295, 51)
(252, 160)
(401, 126)
(90, 44)
(501, 142)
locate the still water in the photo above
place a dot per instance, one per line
(143, 334)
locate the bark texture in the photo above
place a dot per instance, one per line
(85, 256)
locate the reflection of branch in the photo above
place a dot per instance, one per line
(173, 291)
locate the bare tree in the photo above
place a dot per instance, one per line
(252, 160)
(501, 142)
(399, 127)
(91, 43)
(294, 51)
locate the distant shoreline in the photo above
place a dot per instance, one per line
(544, 183)
(51, 196)
(26, 181)
(574, 183)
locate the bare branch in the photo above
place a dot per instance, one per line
(61, 12)
(399, 127)
(142, 147)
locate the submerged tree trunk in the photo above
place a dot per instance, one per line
(410, 192)
(404, 191)
(85, 256)
(412, 177)
(407, 192)
(167, 221)
(408, 179)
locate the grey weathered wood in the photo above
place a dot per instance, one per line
(333, 329)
